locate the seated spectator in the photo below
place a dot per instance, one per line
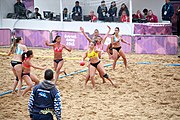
(151, 17)
(138, 15)
(36, 14)
(93, 16)
(112, 10)
(77, 12)
(65, 14)
(123, 8)
(145, 11)
(20, 9)
(102, 11)
(124, 17)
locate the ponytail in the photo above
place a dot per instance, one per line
(14, 45)
(27, 54)
(24, 56)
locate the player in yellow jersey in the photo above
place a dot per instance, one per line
(95, 64)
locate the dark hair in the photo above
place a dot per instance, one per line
(110, 45)
(28, 53)
(65, 9)
(48, 74)
(94, 42)
(36, 8)
(124, 5)
(145, 10)
(77, 2)
(115, 28)
(15, 41)
(55, 38)
(102, 1)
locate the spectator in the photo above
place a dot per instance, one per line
(178, 20)
(77, 12)
(65, 14)
(45, 100)
(113, 10)
(20, 9)
(36, 14)
(151, 17)
(102, 11)
(124, 17)
(145, 11)
(123, 8)
(93, 16)
(167, 11)
(138, 15)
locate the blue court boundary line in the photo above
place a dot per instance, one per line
(84, 70)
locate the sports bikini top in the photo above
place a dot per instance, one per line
(25, 65)
(92, 54)
(115, 39)
(18, 51)
(58, 49)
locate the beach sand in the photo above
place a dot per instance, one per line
(144, 91)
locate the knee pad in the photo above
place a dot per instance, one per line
(106, 75)
(17, 78)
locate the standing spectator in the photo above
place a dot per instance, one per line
(138, 15)
(93, 16)
(20, 9)
(145, 11)
(102, 11)
(77, 12)
(178, 20)
(167, 11)
(123, 8)
(36, 14)
(151, 17)
(124, 17)
(113, 10)
(45, 100)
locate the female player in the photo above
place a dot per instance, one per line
(95, 64)
(99, 44)
(116, 46)
(17, 49)
(58, 60)
(26, 75)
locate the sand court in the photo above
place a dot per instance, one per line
(144, 91)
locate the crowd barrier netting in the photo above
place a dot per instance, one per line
(5, 37)
(156, 44)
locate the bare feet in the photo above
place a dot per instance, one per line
(13, 92)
